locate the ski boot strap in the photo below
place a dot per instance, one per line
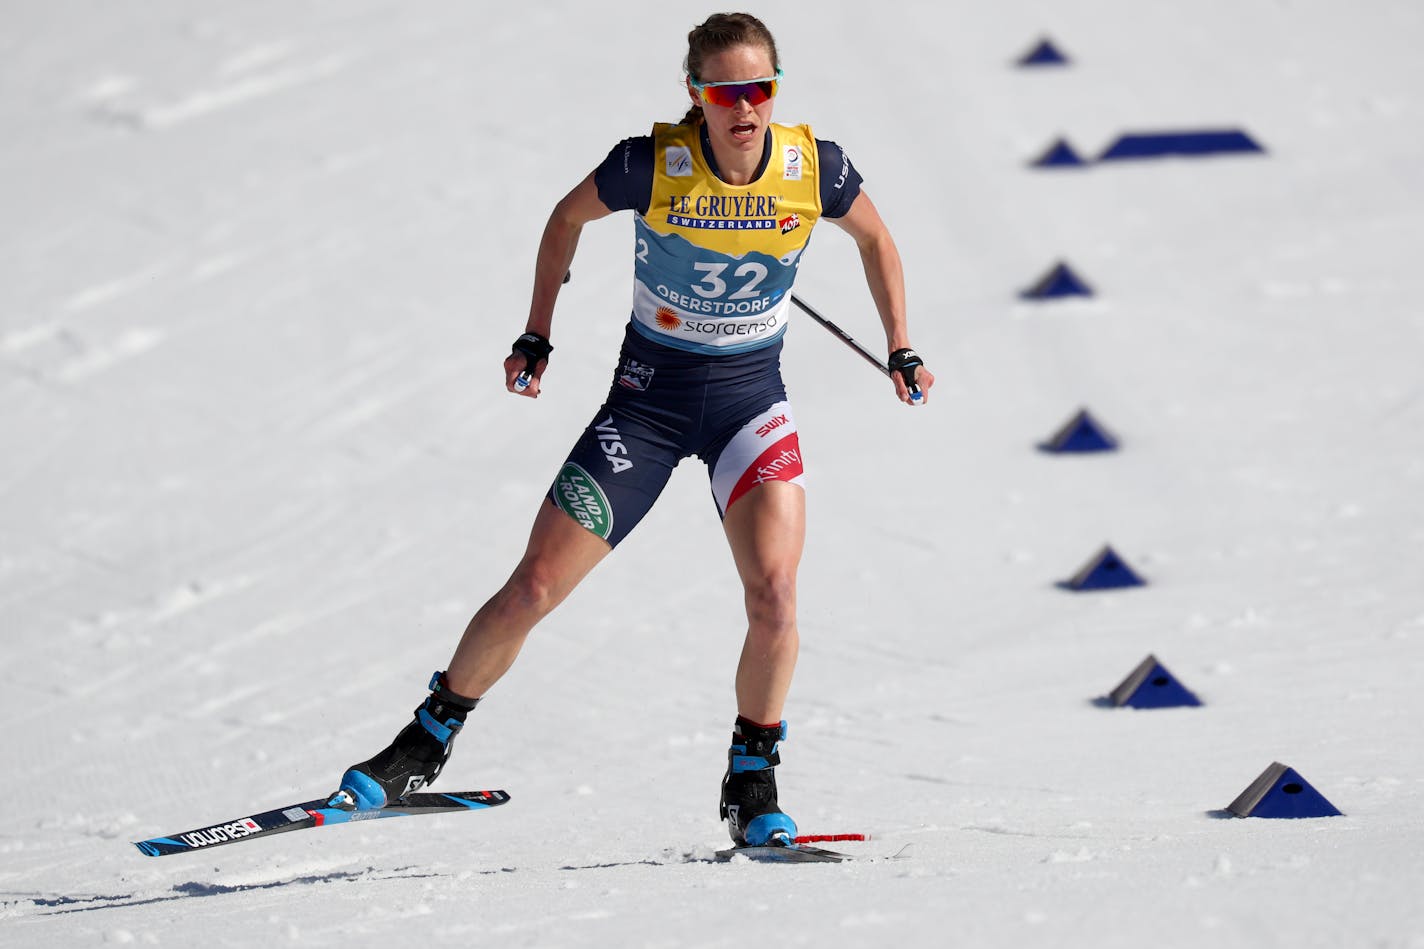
(443, 712)
(758, 749)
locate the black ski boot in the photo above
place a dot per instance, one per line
(414, 759)
(749, 787)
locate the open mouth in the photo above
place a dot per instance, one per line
(743, 130)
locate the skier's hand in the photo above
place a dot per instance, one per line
(525, 364)
(912, 380)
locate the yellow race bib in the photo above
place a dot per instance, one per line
(714, 261)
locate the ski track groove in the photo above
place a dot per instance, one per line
(208, 102)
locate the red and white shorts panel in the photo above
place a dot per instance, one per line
(765, 449)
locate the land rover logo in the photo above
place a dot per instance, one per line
(579, 496)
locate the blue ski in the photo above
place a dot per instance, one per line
(318, 813)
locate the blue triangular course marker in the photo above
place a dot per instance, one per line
(1060, 154)
(1105, 571)
(1059, 282)
(1281, 792)
(1044, 54)
(1081, 433)
(1188, 144)
(1150, 685)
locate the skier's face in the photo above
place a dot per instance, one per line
(742, 125)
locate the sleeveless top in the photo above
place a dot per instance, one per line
(714, 262)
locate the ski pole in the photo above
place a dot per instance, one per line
(843, 336)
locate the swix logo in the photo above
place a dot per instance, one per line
(773, 425)
(221, 833)
(789, 223)
(612, 444)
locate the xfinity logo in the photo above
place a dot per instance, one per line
(777, 467)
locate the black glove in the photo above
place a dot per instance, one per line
(905, 362)
(533, 348)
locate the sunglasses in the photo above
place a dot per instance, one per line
(726, 94)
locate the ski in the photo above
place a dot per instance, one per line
(798, 850)
(318, 813)
(784, 853)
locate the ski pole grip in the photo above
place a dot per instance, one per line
(533, 348)
(906, 362)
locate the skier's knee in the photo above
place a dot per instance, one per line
(531, 592)
(771, 604)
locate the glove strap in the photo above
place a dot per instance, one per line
(533, 348)
(905, 362)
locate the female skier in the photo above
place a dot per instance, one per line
(724, 203)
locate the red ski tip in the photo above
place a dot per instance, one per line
(829, 838)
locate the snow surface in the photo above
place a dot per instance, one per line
(260, 261)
